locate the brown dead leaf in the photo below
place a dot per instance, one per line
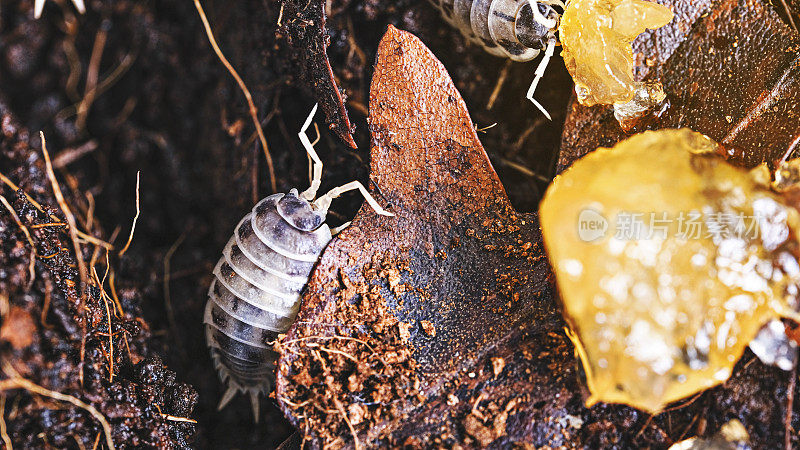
(18, 328)
(730, 69)
(472, 267)
(303, 25)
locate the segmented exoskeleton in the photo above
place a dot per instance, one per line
(258, 281)
(515, 29)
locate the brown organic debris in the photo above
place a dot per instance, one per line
(18, 328)
(302, 25)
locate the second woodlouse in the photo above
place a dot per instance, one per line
(514, 29)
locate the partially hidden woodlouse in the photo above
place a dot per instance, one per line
(256, 291)
(515, 29)
(595, 36)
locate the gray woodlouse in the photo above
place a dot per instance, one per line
(259, 279)
(515, 29)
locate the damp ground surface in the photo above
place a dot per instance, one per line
(134, 86)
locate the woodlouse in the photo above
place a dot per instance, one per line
(256, 291)
(515, 29)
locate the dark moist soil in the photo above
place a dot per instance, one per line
(165, 106)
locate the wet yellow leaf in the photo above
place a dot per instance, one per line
(668, 261)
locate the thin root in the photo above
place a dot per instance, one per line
(3, 430)
(245, 91)
(347, 421)
(135, 218)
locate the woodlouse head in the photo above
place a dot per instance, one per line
(299, 213)
(534, 33)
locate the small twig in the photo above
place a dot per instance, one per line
(110, 341)
(135, 218)
(79, 442)
(90, 211)
(73, 228)
(339, 352)
(789, 14)
(499, 85)
(483, 130)
(177, 419)
(96, 241)
(15, 381)
(96, 441)
(245, 91)
(48, 292)
(113, 289)
(36, 226)
(644, 427)
(91, 78)
(3, 430)
(789, 151)
(173, 418)
(524, 170)
(68, 156)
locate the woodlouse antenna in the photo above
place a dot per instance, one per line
(316, 163)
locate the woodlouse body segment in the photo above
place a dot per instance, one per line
(258, 281)
(506, 28)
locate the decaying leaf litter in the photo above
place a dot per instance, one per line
(191, 159)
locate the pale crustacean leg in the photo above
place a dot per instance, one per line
(38, 7)
(551, 45)
(550, 24)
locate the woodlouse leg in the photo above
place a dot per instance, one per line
(324, 202)
(337, 230)
(38, 7)
(551, 46)
(226, 397)
(254, 404)
(316, 178)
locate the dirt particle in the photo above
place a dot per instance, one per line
(479, 431)
(498, 364)
(428, 328)
(452, 400)
(404, 329)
